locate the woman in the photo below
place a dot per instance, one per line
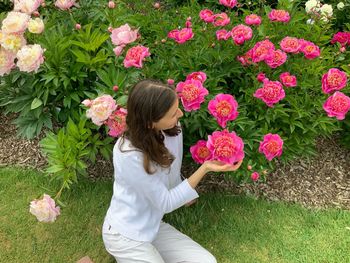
(147, 161)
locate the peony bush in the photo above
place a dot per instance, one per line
(257, 83)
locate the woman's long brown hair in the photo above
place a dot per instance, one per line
(147, 103)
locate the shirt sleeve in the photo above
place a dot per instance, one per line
(150, 185)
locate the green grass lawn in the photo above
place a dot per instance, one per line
(233, 228)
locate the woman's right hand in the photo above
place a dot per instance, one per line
(217, 166)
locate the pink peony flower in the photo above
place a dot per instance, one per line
(170, 81)
(7, 63)
(290, 45)
(334, 79)
(64, 4)
(246, 59)
(118, 50)
(271, 146)
(115, 88)
(337, 105)
(223, 34)
(276, 58)
(181, 36)
(262, 50)
(200, 76)
(200, 153)
(192, 94)
(221, 19)
(279, 15)
(100, 109)
(271, 92)
(27, 6)
(225, 146)
(207, 15)
(255, 176)
(309, 49)
(123, 35)
(241, 33)
(343, 38)
(30, 57)
(135, 56)
(15, 23)
(288, 80)
(77, 26)
(12, 42)
(116, 122)
(253, 19)
(261, 77)
(45, 209)
(228, 3)
(224, 108)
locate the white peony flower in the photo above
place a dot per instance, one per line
(312, 6)
(340, 5)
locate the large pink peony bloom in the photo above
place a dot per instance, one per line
(290, 45)
(262, 50)
(223, 34)
(288, 80)
(27, 6)
(181, 36)
(241, 33)
(334, 79)
(45, 209)
(200, 153)
(337, 105)
(116, 122)
(276, 58)
(271, 146)
(343, 38)
(228, 3)
(309, 49)
(15, 23)
(226, 146)
(123, 35)
(7, 59)
(221, 19)
(279, 15)
(224, 108)
(100, 108)
(64, 4)
(199, 75)
(192, 94)
(271, 92)
(207, 15)
(253, 19)
(135, 56)
(30, 57)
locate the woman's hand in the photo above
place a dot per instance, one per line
(217, 166)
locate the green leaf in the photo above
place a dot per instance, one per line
(36, 103)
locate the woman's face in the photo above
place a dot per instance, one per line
(170, 119)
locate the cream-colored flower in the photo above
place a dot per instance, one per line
(326, 12)
(6, 61)
(312, 6)
(36, 25)
(15, 22)
(30, 58)
(340, 5)
(12, 42)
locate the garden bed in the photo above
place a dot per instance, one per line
(323, 181)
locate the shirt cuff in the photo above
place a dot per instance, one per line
(189, 191)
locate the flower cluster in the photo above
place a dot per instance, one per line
(318, 10)
(13, 45)
(337, 105)
(44, 209)
(104, 110)
(191, 91)
(220, 19)
(343, 38)
(183, 35)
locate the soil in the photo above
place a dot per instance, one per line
(322, 181)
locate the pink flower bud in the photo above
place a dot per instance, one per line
(342, 49)
(213, 45)
(156, 5)
(171, 81)
(189, 18)
(163, 40)
(255, 176)
(111, 4)
(110, 29)
(249, 167)
(188, 24)
(77, 26)
(87, 103)
(115, 88)
(43, 4)
(36, 13)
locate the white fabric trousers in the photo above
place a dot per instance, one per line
(170, 246)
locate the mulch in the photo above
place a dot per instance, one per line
(322, 181)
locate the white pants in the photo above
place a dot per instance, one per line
(170, 246)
